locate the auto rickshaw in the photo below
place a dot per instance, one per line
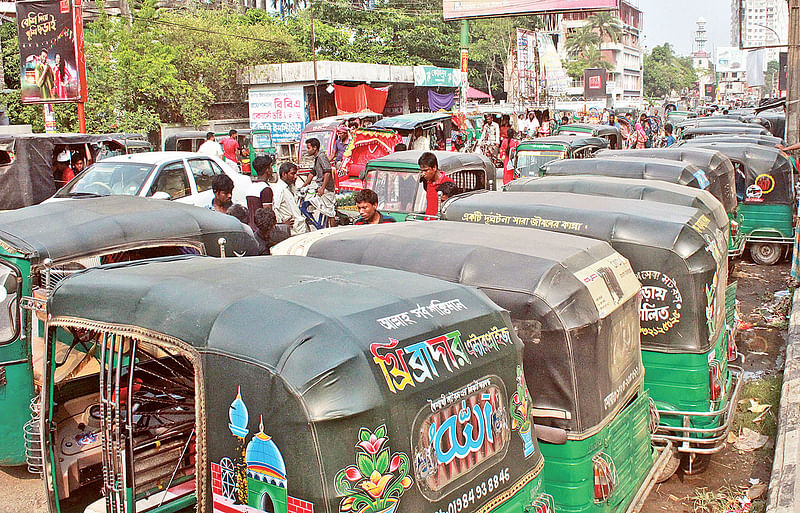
(367, 389)
(26, 163)
(364, 145)
(718, 169)
(610, 133)
(764, 188)
(681, 260)
(740, 129)
(677, 116)
(42, 244)
(324, 130)
(630, 167)
(531, 154)
(406, 125)
(763, 140)
(395, 178)
(581, 339)
(774, 121)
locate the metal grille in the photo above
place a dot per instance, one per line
(468, 180)
(147, 426)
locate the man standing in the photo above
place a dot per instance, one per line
(490, 137)
(44, 76)
(211, 147)
(431, 177)
(259, 193)
(668, 132)
(284, 201)
(339, 147)
(367, 203)
(324, 201)
(222, 185)
(230, 147)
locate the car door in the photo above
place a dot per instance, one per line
(202, 171)
(171, 178)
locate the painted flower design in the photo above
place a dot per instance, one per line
(377, 480)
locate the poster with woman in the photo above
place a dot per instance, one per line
(49, 45)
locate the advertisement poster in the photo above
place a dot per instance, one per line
(556, 79)
(281, 110)
(48, 45)
(526, 63)
(594, 83)
(460, 9)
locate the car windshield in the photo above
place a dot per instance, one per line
(398, 191)
(529, 162)
(108, 178)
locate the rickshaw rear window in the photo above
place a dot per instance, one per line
(262, 141)
(529, 162)
(398, 191)
(109, 178)
(9, 302)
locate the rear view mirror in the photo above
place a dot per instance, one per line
(10, 291)
(551, 435)
(161, 195)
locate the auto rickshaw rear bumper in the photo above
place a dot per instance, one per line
(689, 439)
(664, 453)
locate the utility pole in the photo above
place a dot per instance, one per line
(793, 80)
(314, 58)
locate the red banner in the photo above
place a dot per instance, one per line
(350, 100)
(460, 9)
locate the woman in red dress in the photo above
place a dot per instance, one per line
(61, 79)
(509, 143)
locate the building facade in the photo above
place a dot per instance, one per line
(625, 84)
(763, 23)
(702, 59)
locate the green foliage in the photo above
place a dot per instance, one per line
(665, 72)
(583, 44)
(770, 78)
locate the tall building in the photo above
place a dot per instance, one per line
(625, 80)
(763, 22)
(701, 58)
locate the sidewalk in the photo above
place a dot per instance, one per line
(784, 486)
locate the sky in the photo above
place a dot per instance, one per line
(673, 21)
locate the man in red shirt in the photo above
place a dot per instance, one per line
(432, 177)
(230, 146)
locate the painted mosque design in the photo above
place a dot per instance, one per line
(256, 477)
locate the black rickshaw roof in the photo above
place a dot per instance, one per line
(718, 168)
(600, 129)
(764, 140)
(629, 167)
(724, 129)
(657, 191)
(448, 161)
(264, 308)
(570, 141)
(66, 229)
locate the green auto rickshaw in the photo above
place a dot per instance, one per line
(532, 154)
(680, 258)
(396, 179)
(41, 245)
(573, 302)
(611, 134)
(364, 389)
(766, 194)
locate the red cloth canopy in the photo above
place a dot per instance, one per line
(477, 94)
(350, 100)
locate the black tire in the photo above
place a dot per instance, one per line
(699, 463)
(671, 467)
(765, 253)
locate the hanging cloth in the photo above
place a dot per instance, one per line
(438, 101)
(350, 100)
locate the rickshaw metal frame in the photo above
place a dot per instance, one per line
(719, 434)
(664, 452)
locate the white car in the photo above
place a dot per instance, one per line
(175, 175)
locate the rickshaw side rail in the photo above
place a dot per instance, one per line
(718, 434)
(664, 454)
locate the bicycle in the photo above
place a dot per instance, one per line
(317, 220)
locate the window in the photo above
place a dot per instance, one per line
(10, 291)
(171, 179)
(204, 171)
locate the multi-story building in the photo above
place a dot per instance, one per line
(763, 23)
(625, 86)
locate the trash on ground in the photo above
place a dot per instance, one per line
(749, 440)
(757, 407)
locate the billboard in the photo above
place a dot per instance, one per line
(52, 65)
(729, 58)
(461, 9)
(594, 83)
(281, 110)
(710, 90)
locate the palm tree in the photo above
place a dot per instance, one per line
(579, 41)
(288, 6)
(592, 58)
(607, 25)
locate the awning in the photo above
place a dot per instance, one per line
(477, 94)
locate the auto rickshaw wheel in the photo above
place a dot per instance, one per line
(765, 253)
(693, 463)
(670, 468)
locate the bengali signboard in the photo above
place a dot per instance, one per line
(432, 76)
(52, 67)
(461, 9)
(281, 110)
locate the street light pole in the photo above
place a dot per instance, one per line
(793, 80)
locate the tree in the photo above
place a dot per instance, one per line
(770, 79)
(607, 26)
(665, 72)
(580, 40)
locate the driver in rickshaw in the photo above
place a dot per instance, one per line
(62, 172)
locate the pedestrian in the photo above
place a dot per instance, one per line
(507, 148)
(268, 232)
(339, 147)
(367, 204)
(447, 190)
(505, 125)
(670, 139)
(638, 138)
(400, 147)
(284, 201)
(324, 201)
(533, 124)
(421, 142)
(62, 173)
(431, 177)
(259, 193)
(490, 137)
(210, 147)
(230, 147)
(222, 186)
